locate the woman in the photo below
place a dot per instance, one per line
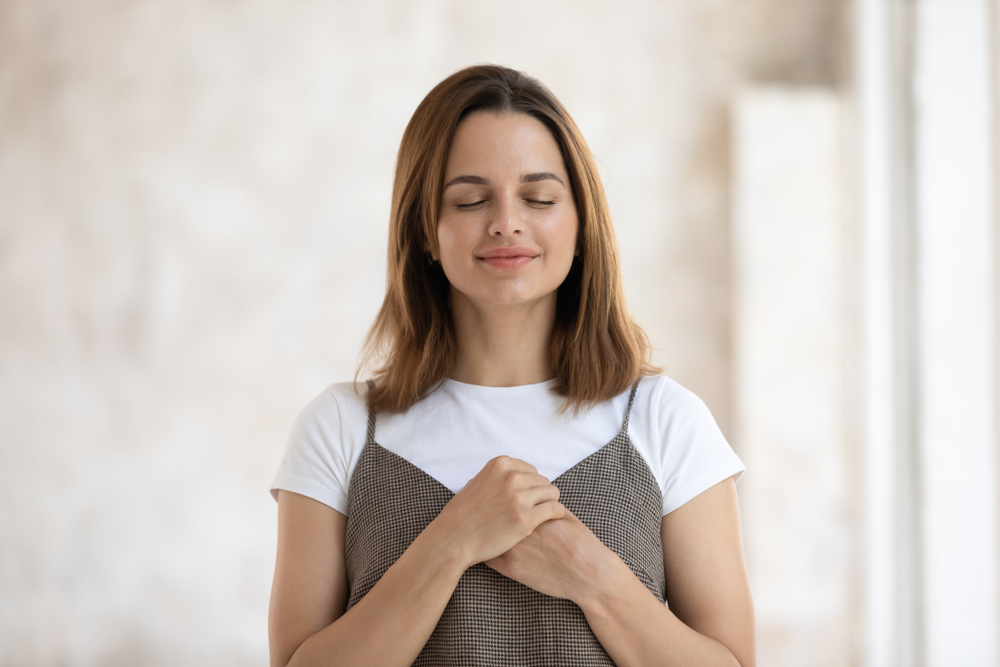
(516, 486)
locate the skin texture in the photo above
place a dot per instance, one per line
(508, 515)
(503, 317)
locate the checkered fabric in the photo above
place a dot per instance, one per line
(490, 619)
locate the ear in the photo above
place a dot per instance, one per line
(430, 252)
(430, 249)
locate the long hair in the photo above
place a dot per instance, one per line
(597, 350)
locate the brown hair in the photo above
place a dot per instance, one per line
(597, 349)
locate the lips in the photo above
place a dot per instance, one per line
(509, 251)
(508, 257)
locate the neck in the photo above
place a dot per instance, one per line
(502, 346)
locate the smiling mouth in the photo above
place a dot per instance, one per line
(511, 262)
(510, 257)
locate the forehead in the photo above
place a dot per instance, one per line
(506, 144)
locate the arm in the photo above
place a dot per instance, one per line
(389, 626)
(307, 623)
(710, 620)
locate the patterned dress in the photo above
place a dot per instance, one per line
(490, 619)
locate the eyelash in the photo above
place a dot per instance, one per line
(537, 202)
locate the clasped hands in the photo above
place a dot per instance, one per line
(509, 517)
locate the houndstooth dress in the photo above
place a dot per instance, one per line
(490, 619)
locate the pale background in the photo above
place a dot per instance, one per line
(193, 210)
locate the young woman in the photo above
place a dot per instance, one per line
(516, 486)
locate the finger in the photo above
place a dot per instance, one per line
(510, 463)
(571, 517)
(525, 480)
(548, 511)
(536, 495)
(524, 519)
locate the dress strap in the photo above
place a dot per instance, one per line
(628, 411)
(370, 437)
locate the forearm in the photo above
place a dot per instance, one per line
(637, 630)
(392, 622)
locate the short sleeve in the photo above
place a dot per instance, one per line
(682, 443)
(323, 447)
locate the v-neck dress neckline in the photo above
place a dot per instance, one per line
(417, 470)
(490, 619)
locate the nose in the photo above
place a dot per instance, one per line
(506, 220)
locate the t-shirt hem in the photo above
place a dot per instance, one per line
(310, 489)
(730, 468)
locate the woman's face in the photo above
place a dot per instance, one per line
(508, 224)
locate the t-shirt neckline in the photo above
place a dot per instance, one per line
(485, 390)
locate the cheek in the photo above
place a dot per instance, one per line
(445, 239)
(567, 232)
(452, 243)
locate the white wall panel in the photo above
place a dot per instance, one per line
(955, 226)
(874, 102)
(789, 370)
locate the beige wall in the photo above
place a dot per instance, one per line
(193, 204)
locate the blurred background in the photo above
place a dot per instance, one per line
(194, 198)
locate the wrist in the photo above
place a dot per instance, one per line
(447, 550)
(609, 582)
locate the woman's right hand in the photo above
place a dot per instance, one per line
(498, 508)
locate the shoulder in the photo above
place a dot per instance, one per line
(668, 404)
(673, 429)
(340, 404)
(325, 444)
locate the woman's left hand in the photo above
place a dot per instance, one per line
(561, 558)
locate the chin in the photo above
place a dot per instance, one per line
(510, 294)
(513, 298)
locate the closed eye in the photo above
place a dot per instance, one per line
(539, 203)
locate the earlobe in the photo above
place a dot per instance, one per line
(429, 253)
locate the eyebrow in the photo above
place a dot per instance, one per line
(527, 178)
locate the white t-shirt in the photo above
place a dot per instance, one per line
(453, 432)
